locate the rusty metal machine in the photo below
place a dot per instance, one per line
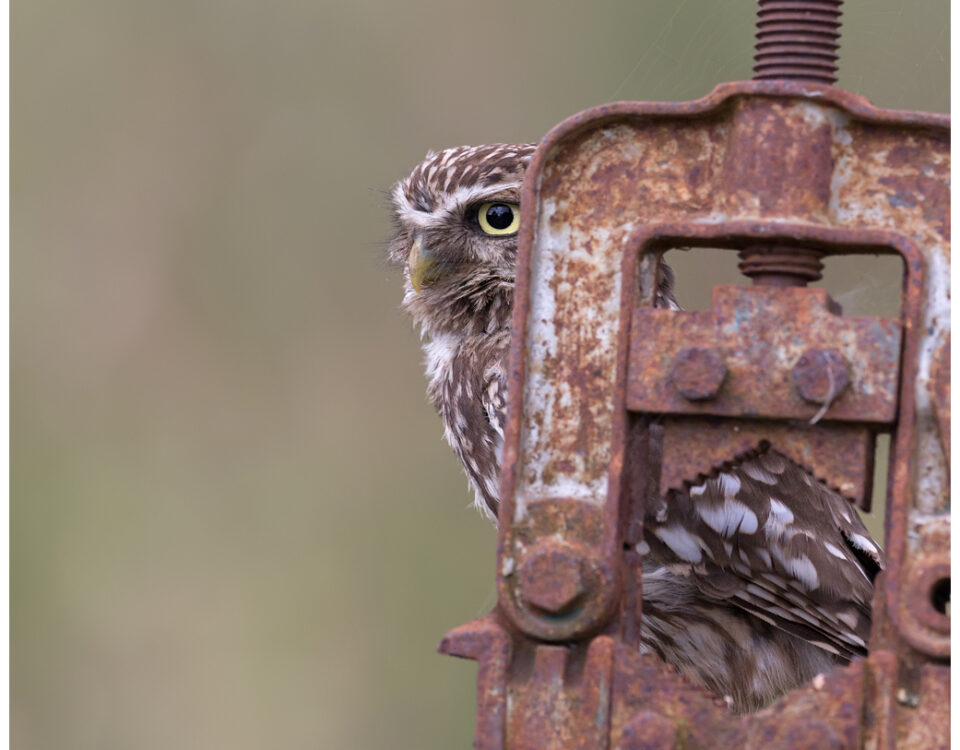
(613, 401)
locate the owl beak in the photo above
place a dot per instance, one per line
(421, 265)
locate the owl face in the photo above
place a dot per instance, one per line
(457, 217)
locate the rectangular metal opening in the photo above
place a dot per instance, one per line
(863, 285)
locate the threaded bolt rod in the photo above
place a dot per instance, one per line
(798, 40)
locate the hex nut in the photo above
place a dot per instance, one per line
(820, 375)
(551, 577)
(697, 372)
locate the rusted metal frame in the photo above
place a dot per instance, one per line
(639, 280)
(560, 695)
(855, 106)
(489, 644)
(909, 582)
(613, 518)
(939, 389)
(889, 699)
(734, 234)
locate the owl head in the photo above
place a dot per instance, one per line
(457, 217)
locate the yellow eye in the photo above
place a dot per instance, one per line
(499, 218)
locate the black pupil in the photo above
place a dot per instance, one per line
(499, 216)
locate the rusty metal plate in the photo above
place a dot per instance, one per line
(647, 692)
(839, 456)
(771, 341)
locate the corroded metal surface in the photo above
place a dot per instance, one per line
(765, 336)
(697, 372)
(763, 332)
(821, 715)
(913, 601)
(580, 593)
(614, 401)
(939, 391)
(552, 576)
(821, 375)
(610, 177)
(839, 456)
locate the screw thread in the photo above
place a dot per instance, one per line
(798, 40)
(781, 266)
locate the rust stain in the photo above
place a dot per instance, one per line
(939, 388)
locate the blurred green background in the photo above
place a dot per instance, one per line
(234, 521)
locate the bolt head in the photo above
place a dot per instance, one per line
(820, 375)
(698, 372)
(551, 578)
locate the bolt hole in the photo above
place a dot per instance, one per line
(940, 596)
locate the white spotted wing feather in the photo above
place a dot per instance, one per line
(766, 537)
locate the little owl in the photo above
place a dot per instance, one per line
(784, 592)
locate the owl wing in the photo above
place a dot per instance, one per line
(770, 539)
